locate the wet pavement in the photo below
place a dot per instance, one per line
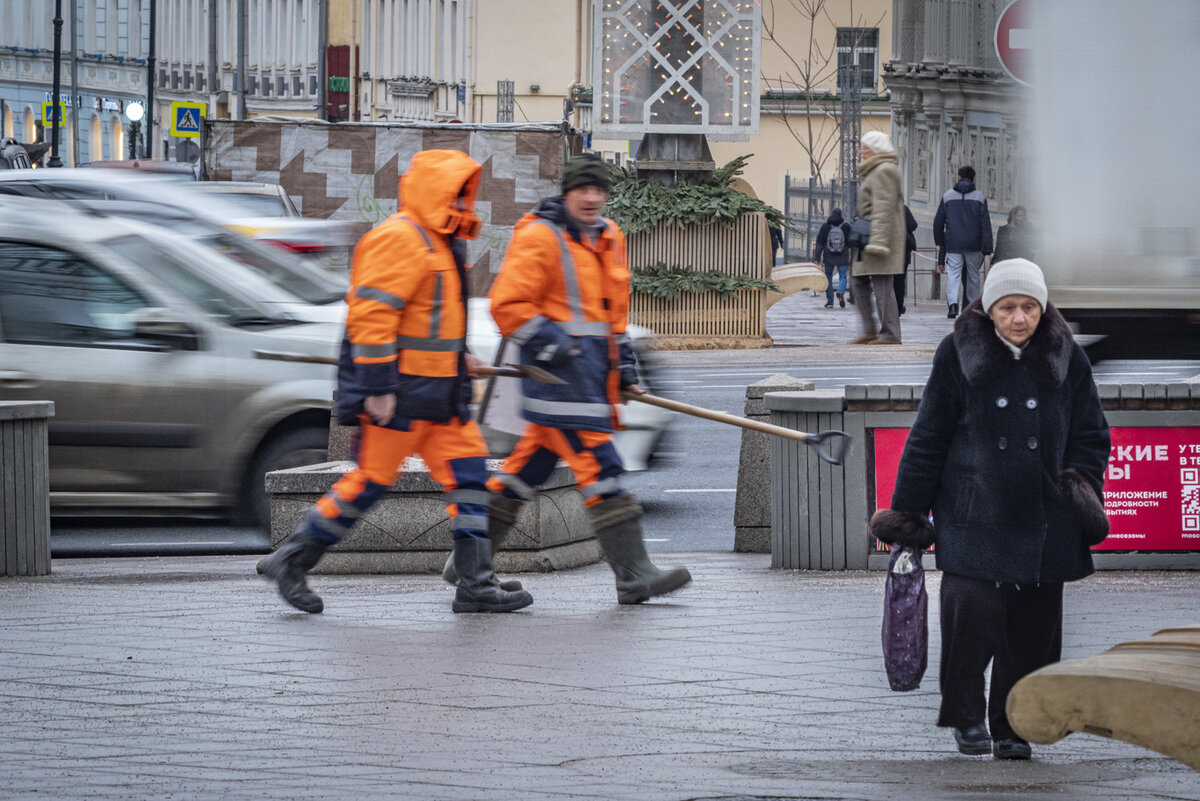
(801, 319)
(187, 678)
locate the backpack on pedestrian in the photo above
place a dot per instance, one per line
(835, 242)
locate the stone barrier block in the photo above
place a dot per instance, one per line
(408, 530)
(752, 505)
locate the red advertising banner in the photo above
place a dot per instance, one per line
(1151, 488)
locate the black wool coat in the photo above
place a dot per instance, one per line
(987, 453)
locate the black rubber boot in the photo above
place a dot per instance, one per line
(502, 514)
(617, 523)
(289, 565)
(478, 590)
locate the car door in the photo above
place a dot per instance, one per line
(129, 411)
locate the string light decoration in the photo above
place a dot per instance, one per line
(677, 66)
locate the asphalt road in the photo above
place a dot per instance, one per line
(688, 494)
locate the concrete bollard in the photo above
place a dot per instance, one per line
(752, 505)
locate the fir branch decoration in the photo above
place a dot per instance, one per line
(638, 205)
(661, 281)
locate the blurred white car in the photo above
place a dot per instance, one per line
(319, 295)
(145, 343)
(326, 240)
(644, 425)
(259, 200)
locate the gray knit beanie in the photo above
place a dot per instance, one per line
(1014, 277)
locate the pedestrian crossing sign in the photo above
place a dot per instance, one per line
(185, 119)
(48, 114)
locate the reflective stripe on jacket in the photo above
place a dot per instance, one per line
(406, 321)
(558, 291)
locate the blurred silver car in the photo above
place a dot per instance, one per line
(160, 403)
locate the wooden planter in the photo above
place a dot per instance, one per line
(706, 320)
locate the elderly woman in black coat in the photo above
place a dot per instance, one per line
(1008, 451)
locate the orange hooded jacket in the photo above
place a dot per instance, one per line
(406, 322)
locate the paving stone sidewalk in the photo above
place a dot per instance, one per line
(186, 678)
(802, 320)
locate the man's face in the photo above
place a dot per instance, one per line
(585, 203)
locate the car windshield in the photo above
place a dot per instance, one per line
(179, 276)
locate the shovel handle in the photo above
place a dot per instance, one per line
(830, 446)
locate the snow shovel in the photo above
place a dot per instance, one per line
(831, 446)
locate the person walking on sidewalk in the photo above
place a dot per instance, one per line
(1008, 450)
(403, 378)
(962, 230)
(562, 297)
(832, 252)
(879, 201)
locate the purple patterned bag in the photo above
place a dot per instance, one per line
(905, 620)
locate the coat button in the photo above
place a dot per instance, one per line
(1002, 443)
(1031, 403)
(1032, 443)
(1001, 401)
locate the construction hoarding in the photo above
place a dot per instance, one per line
(351, 171)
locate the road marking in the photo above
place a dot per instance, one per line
(700, 490)
(162, 544)
(656, 539)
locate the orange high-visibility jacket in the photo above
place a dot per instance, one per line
(558, 291)
(406, 324)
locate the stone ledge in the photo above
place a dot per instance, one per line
(408, 531)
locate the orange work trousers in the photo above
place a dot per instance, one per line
(454, 452)
(590, 454)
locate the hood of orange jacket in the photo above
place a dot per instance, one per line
(438, 178)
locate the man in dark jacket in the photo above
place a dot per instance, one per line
(834, 254)
(1008, 450)
(562, 297)
(962, 230)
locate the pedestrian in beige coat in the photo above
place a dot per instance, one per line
(880, 201)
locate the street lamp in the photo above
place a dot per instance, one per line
(56, 113)
(134, 112)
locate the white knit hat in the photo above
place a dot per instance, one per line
(1014, 277)
(878, 141)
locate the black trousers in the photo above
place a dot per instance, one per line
(1018, 629)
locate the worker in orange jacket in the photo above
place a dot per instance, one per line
(404, 379)
(562, 296)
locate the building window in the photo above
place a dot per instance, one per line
(860, 46)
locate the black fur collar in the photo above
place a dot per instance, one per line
(982, 356)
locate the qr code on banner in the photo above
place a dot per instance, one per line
(1191, 507)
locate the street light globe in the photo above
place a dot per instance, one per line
(134, 111)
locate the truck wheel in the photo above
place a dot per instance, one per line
(292, 449)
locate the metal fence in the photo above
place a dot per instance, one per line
(807, 203)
